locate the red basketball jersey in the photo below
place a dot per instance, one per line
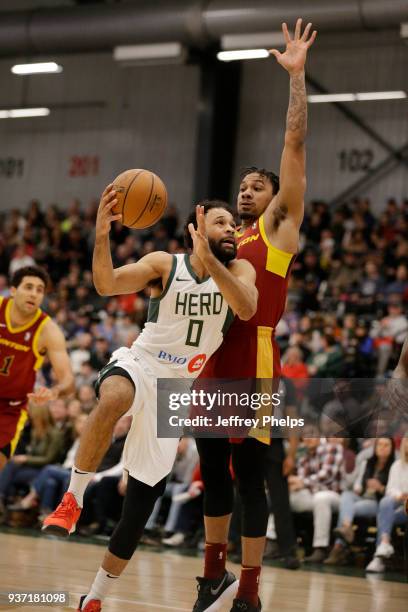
(19, 355)
(272, 275)
(249, 348)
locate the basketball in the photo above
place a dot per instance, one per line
(142, 198)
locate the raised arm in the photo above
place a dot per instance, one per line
(292, 169)
(126, 279)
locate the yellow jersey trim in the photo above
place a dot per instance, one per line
(1, 300)
(17, 330)
(40, 358)
(264, 383)
(20, 426)
(277, 261)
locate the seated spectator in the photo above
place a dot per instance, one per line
(87, 375)
(74, 409)
(46, 446)
(20, 259)
(59, 414)
(294, 367)
(316, 488)
(364, 499)
(391, 509)
(87, 397)
(391, 329)
(189, 516)
(400, 285)
(366, 450)
(328, 361)
(100, 354)
(81, 351)
(372, 283)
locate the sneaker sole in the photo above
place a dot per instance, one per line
(57, 530)
(226, 597)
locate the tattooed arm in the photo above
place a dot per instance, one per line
(292, 169)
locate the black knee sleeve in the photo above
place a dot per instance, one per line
(215, 456)
(249, 460)
(137, 507)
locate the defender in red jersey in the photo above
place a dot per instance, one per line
(27, 334)
(271, 210)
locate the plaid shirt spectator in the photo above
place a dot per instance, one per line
(324, 469)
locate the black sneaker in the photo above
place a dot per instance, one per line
(291, 562)
(243, 606)
(213, 594)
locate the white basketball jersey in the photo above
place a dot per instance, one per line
(187, 323)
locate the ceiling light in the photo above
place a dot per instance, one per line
(20, 113)
(36, 68)
(341, 97)
(172, 52)
(358, 97)
(242, 54)
(381, 95)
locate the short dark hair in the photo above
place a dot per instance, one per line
(271, 176)
(29, 271)
(208, 205)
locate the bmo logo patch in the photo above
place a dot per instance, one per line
(169, 358)
(197, 363)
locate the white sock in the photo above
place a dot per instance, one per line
(78, 483)
(100, 586)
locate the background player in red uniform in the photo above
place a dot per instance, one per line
(271, 218)
(27, 334)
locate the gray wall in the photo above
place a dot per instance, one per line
(341, 64)
(148, 122)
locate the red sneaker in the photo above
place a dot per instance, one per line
(92, 606)
(63, 520)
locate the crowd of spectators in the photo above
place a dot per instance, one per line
(345, 317)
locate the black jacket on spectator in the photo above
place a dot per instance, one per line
(382, 475)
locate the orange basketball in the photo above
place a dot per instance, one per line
(142, 198)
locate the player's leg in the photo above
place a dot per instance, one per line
(11, 426)
(217, 586)
(249, 460)
(137, 507)
(116, 396)
(3, 462)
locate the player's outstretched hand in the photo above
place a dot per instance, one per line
(294, 58)
(42, 395)
(201, 246)
(105, 215)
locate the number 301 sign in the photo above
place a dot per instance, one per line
(83, 165)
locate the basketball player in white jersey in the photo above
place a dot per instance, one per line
(193, 300)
